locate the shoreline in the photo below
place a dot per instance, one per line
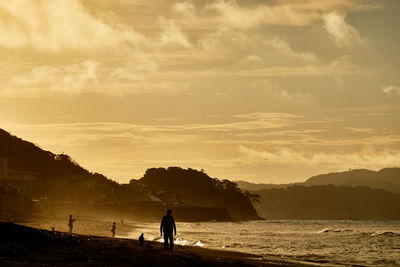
(23, 245)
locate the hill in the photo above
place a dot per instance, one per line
(40, 174)
(388, 179)
(26, 156)
(57, 183)
(196, 188)
(329, 202)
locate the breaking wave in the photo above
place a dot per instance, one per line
(327, 230)
(385, 234)
(181, 241)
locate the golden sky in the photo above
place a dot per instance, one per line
(258, 90)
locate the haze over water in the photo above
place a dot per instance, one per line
(370, 243)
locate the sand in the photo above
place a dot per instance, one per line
(26, 246)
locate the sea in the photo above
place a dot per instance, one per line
(317, 242)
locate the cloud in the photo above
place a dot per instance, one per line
(56, 25)
(242, 17)
(361, 159)
(298, 97)
(68, 79)
(342, 33)
(285, 49)
(139, 68)
(291, 13)
(172, 35)
(257, 50)
(359, 130)
(339, 66)
(267, 116)
(185, 9)
(253, 59)
(391, 90)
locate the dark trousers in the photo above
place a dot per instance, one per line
(169, 236)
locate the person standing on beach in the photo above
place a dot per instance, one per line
(141, 239)
(114, 227)
(71, 223)
(167, 225)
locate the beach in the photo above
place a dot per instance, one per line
(25, 246)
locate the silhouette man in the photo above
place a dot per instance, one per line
(114, 227)
(167, 225)
(141, 239)
(71, 223)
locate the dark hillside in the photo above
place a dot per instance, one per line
(25, 156)
(196, 188)
(55, 183)
(51, 176)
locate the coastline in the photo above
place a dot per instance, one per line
(22, 245)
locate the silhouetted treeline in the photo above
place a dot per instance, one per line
(329, 202)
(196, 188)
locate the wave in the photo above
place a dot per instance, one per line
(158, 239)
(181, 241)
(233, 245)
(198, 244)
(388, 233)
(327, 230)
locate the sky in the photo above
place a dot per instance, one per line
(267, 91)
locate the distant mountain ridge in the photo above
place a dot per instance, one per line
(387, 179)
(244, 185)
(328, 202)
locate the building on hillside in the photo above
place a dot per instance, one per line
(148, 199)
(3, 168)
(7, 173)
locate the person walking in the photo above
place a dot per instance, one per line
(168, 227)
(114, 227)
(71, 223)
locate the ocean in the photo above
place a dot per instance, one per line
(324, 242)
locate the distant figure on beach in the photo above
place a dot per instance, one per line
(114, 227)
(141, 239)
(167, 225)
(71, 223)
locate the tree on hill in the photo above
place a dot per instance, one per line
(196, 188)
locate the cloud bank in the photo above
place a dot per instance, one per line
(58, 25)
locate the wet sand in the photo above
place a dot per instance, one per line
(26, 246)
(87, 225)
